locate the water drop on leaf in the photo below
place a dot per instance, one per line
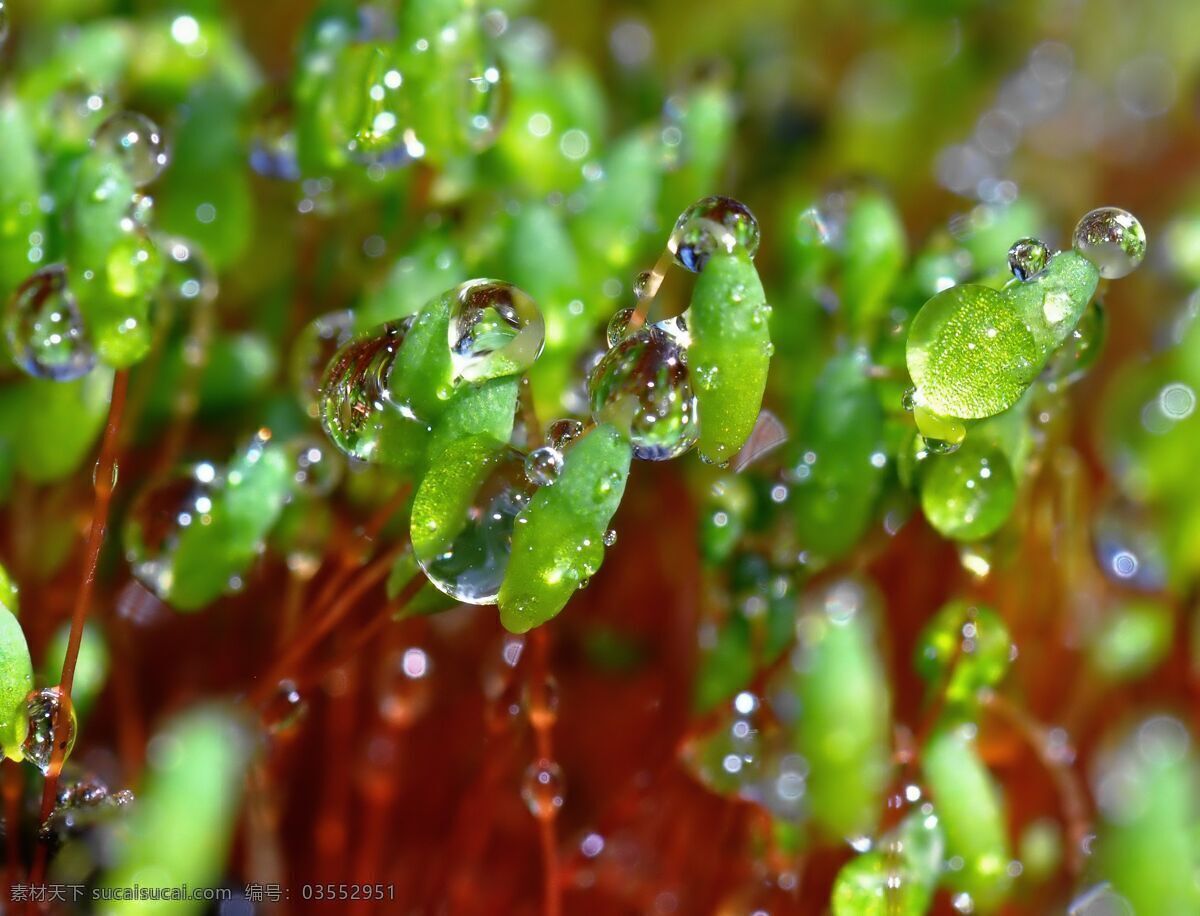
(710, 225)
(45, 330)
(543, 465)
(495, 329)
(1027, 258)
(1112, 239)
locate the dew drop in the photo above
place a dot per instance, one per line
(189, 277)
(285, 709)
(354, 405)
(618, 325)
(317, 469)
(484, 103)
(1027, 258)
(313, 350)
(543, 465)
(643, 284)
(610, 537)
(642, 385)
(471, 568)
(496, 329)
(562, 433)
(136, 141)
(710, 225)
(542, 788)
(45, 330)
(942, 435)
(405, 688)
(1112, 239)
(52, 726)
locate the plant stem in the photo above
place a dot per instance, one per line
(103, 483)
(541, 716)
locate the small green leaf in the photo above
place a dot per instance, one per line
(968, 494)
(608, 230)
(972, 814)
(52, 426)
(421, 376)
(487, 409)
(1053, 302)
(844, 731)
(730, 352)
(1131, 640)
(16, 680)
(875, 246)
(841, 469)
(440, 505)
(182, 824)
(431, 266)
(559, 538)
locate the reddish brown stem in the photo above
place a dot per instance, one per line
(541, 716)
(104, 484)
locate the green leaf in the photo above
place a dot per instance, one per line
(835, 492)
(875, 246)
(181, 828)
(559, 538)
(972, 815)
(898, 877)
(730, 352)
(16, 680)
(52, 426)
(440, 505)
(431, 266)
(705, 120)
(968, 494)
(421, 376)
(608, 229)
(844, 731)
(487, 409)
(20, 188)
(245, 507)
(1053, 302)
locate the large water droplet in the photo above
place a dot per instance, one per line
(354, 406)
(160, 513)
(52, 726)
(136, 141)
(710, 225)
(1027, 258)
(542, 788)
(642, 385)
(495, 330)
(1112, 239)
(313, 350)
(45, 330)
(543, 465)
(472, 567)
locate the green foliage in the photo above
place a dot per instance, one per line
(1132, 639)
(963, 649)
(52, 426)
(16, 680)
(898, 878)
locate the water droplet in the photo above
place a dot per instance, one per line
(484, 103)
(942, 435)
(618, 325)
(1112, 239)
(642, 385)
(610, 537)
(543, 705)
(313, 350)
(52, 726)
(163, 509)
(188, 277)
(285, 709)
(968, 495)
(644, 285)
(495, 330)
(45, 329)
(542, 788)
(563, 432)
(1128, 548)
(710, 225)
(136, 141)
(543, 465)
(354, 404)
(376, 101)
(472, 567)
(405, 687)
(1027, 258)
(317, 468)
(963, 649)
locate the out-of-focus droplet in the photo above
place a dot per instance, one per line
(285, 709)
(354, 404)
(711, 225)
(618, 326)
(542, 788)
(1112, 239)
(317, 469)
(496, 329)
(188, 276)
(542, 704)
(642, 385)
(52, 726)
(376, 102)
(968, 495)
(137, 142)
(45, 330)
(313, 350)
(963, 649)
(543, 465)
(405, 687)
(161, 511)
(1128, 547)
(1027, 258)
(562, 433)
(483, 110)
(472, 567)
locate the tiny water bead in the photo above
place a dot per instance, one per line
(1112, 239)
(484, 103)
(644, 285)
(496, 329)
(313, 350)
(543, 788)
(642, 385)
(52, 726)
(160, 512)
(618, 325)
(562, 433)
(285, 709)
(543, 465)
(710, 225)
(317, 469)
(45, 331)
(136, 141)
(354, 405)
(1027, 258)
(469, 564)
(188, 276)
